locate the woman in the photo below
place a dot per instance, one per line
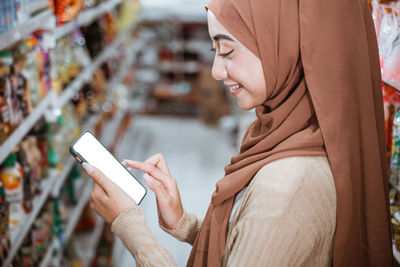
(309, 186)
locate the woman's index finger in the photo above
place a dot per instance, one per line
(158, 161)
(151, 170)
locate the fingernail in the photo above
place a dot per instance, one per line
(87, 166)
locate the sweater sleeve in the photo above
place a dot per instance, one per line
(187, 228)
(284, 220)
(130, 226)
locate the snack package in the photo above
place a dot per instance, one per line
(11, 177)
(388, 112)
(66, 10)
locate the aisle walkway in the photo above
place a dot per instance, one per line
(196, 156)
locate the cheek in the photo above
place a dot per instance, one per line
(250, 74)
(257, 82)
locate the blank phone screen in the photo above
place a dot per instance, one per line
(93, 152)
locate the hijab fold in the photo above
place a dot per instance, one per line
(321, 68)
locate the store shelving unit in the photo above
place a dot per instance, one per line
(17, 136)
(18, 236)
(85, 17)
(63, 176)
(76, 211)
(70, 162)
(396, 254)
(86, 74)
(92, 121)
(179, 67)
(53, 183)
(73, 216)
(44, 20)
(94, 238)
(396, 187)
(24, 30)
(132, 51)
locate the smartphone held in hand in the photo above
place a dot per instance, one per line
(88, 149)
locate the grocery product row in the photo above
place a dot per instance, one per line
(37, 169)
(50, 93)
(385, 15)
(56, 19)
(40, 75)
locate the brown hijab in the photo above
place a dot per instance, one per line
(320, 61)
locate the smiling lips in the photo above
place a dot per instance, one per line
(234, 88)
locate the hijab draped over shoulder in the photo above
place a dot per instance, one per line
(322, 74)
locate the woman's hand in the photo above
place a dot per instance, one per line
(108, 199)
(157, 177)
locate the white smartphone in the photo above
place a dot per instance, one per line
(88, 149)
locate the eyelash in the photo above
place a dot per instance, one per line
(224, 54)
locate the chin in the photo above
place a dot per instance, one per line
(245, 106)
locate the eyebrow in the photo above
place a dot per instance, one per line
(223, 36)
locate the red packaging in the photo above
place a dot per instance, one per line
(66, 10)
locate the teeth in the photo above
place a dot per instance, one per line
(235, 87)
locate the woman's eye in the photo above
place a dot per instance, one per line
(212, 49)
(225, 54)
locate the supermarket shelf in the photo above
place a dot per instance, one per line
(123, 69)
(63, 176)
(85, 18)
(184, 11)
(85, 196)
(132, 51)
(396, 254)
(94, 240)
(393, 83)
(45, 19)
(70, 162)
(49, 185)
(175, 67)
(179, 67)
(55, 245)
(107, 137)
(17, 237)
(395, 187)
(86, 74)
(91, 123)
(25, 126)
(76, 213)
(73, 220)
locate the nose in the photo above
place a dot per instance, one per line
(219, 71)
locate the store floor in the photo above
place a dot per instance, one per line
(196, 155)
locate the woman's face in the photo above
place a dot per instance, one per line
(239, 69)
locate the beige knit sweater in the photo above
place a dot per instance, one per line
(287, 217)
